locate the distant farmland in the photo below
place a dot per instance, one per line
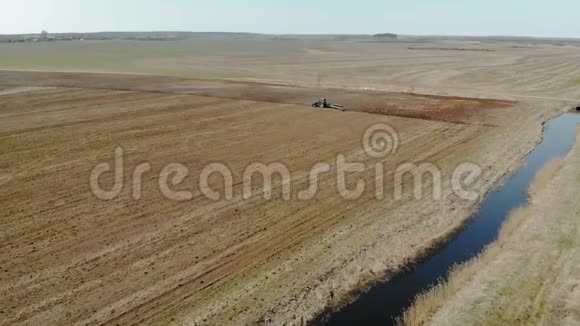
(70, 257)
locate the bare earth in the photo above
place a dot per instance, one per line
(70, 258)
(535, 278)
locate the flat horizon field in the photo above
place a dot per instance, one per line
(72, 258)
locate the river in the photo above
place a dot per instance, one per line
(386, 301)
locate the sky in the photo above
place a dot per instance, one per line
(543, 18)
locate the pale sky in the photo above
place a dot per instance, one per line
(558, 18)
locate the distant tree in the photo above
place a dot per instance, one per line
(44, 35)
(387, 35)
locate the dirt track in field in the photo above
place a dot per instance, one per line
(71, 258)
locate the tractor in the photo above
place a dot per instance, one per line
(323, 103)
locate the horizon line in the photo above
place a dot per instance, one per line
(304, 34)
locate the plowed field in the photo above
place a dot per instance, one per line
(70, 258)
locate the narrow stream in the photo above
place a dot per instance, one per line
(387, 300)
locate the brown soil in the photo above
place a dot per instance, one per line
(70, 258)
(428, 107)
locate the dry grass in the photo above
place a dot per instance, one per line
(369, 65)
(544, 176)
(427, 304)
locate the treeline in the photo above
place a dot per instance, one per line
(386, 36)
